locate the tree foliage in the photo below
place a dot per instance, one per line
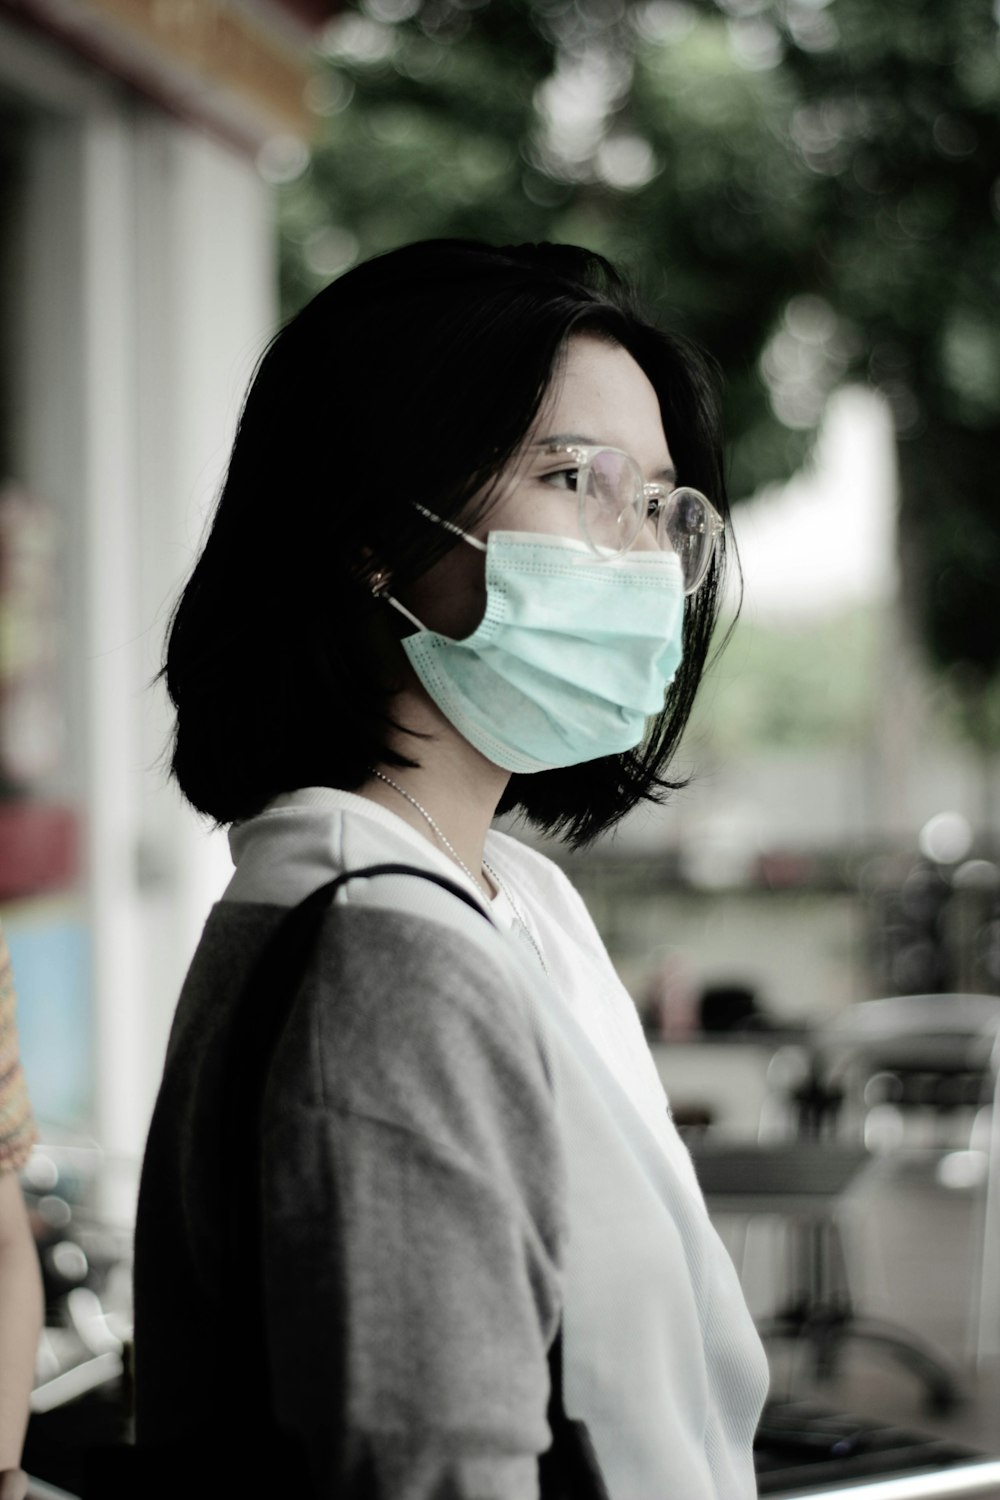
(901, 120)
(808, 189)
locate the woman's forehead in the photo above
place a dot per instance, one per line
(600, 395)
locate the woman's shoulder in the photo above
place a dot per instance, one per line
(527, 862)
(398, 994)
(399, 1019)
(404, 964)
(309, 836)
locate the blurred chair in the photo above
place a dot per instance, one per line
(985, 1322)
(923, 1071)
(920, 1061)
(803, 1182)
(884, 1075)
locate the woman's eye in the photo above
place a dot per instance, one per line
(562, 479)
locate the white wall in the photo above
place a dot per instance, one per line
(148, 291)
(205, 309)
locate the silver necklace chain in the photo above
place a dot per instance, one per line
(519, 919)
(446, 841)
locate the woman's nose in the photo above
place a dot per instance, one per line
(653, 536)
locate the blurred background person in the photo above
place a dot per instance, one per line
(21, 1306)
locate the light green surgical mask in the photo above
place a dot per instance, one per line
(571, 659)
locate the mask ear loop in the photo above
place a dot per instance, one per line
(403, 611)
(381, 592)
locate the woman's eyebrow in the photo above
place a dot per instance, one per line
(669, 473)
(567, 437)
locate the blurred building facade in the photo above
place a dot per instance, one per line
(138, 289)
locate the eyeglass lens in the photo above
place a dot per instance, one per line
(611, 501)
(685, 528)
(614, 508)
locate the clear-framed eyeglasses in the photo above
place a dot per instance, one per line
(615, 505)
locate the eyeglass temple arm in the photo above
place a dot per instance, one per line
(473, 541)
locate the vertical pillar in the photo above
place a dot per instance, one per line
(110, 617)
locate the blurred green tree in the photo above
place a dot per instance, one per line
(808, 188)
(428, 110)
(900, 119)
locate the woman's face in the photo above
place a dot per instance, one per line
(599, 396)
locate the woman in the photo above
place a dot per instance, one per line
(463, 563)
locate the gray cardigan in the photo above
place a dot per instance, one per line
(414, 1189)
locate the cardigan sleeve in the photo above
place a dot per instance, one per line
(414, 1198)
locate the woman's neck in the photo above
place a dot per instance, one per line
(450, 797)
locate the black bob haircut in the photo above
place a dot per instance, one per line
(413, 378)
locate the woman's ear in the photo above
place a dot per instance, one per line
(372, 573)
